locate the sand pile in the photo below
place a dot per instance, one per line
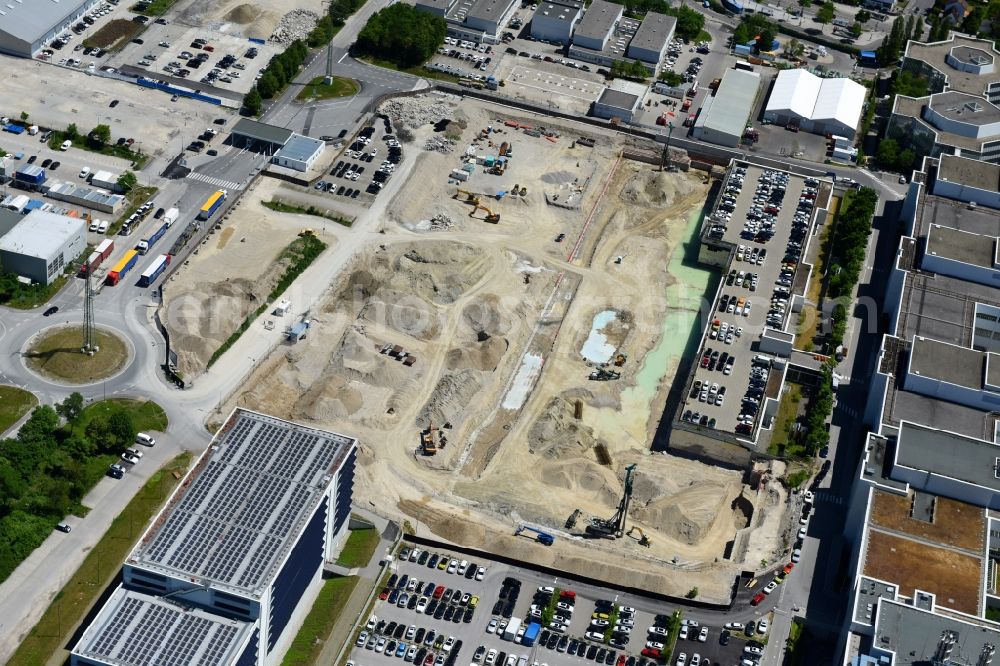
(484, 355)
(451, 397)
(360, 360)
(557, 435)
(598, 484)
(687, 516)
(334, 397)
(243, 14)
(655, 188)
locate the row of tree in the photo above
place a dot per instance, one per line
(755, 28)
(626, 69)
(401, 34)
(903, 29)
(47, 469)
(847, 256)
(820, 409)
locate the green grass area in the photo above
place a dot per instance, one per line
(138, 196)
(782, 443)
(14, 403)
(49, 638)
(155, 8)
(794, 643)
(674, 631)
(56, 354)
(316, 628)
(359, 548)
(284, 207)
(28, 298)
(418, 70)
(146, 414)
(316, 89)
(703, 36)
(80, 141)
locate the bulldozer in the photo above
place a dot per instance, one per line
(491, 217)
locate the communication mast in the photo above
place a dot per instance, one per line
(329, 64)
(89, 345)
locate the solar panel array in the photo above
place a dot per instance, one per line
(144, 631)
(246, 502)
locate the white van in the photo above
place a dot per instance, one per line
(144, 439)
(65, 145)
(103, 227)
(94, 225)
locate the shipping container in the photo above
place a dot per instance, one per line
(531, 634)
(13, 129)
(126, 264)
(105, 247)
(31, 174)
(211, 205)
(93, 261)
(154, 271)
(146, 243)
(171, 216)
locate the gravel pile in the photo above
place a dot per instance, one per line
(414, 111)
(296, 24)
(440, 144)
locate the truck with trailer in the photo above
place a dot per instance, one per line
(126, 264)
(100, 253)
(154, 271)
(212, 204)
(171, 216)
(142, 247)
(511, 631)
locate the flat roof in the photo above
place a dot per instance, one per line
(972, 173)
(261, 131)
(870, 591)
(243, 506)
(31, 20)
(653, 32)
(972, 55)
(954, 364)
(436, 4)
(934, 54)
(598, 19)
(733, 102)
(913, 634)
(8, 220)
(964, 108)
(964, 246)
(135, 629)
(618, 99)
(951, 522)
(41, 234)
(559, 11)
(300, 148)
(969, 459)
(489, 10)
(913, 107)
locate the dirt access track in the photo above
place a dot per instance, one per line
(504, 324)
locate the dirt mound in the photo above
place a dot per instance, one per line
(595, 482)
(360, 360)
(243, 14)
(450, 398)
(485, 315)
(557, 435)
(334, 397)
(655, 188)
(686, 516)
(405, 313)
(482, 355)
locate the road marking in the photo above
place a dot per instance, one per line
(211, 180)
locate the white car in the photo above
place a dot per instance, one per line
(702, 636)
(372, 621)
(770, 587)
(682, 659)
(448, 644)
(595, 635)
(802, 533)
(796, 555)
(684, 633)
(362, 639)
(546, 590)
(562, 605)
(422, 604)
(481, 573)
(596, 622)
(807, 496)
(658, 631)
(762, 626)
(654, 645)
(491, 628)
(491, 657)
(735, 626)
(696, 659)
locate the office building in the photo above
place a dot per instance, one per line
(41, 245)
(26, 27)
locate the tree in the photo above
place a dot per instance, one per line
(863, 16)
(252, 102)
(24, 116)
(268, 85)
(887, 153)
(974, 21)
(121, 427)
(805, 4)
(71, 408)
(671, 78)
(98, 433)
(918, 30)
(401, 34)
(72, 132)
(826, 13)
(689, 22)
(127, 181)
(100, 135)
(856, 30)
(692, 593)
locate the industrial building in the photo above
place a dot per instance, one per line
(821, 106)
(959, 63)
(473, 20)
(555, 21)
(258, 136)
(85, 196)
(604, 36)
(724, 116)
(26, 27)
(299, 152)
(923, 540)
(41, 245)
(618, 101)
(216, 578)
(651, 39)
(106, 180)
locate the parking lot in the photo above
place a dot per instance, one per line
(585, 624)
(365, 166)
(765, 215)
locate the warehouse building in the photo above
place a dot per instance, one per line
(821, 106)
(85, 196)
(607, 37)
(299, 152)
(258, 136)
(41, 245)
(618, 101)
(554, 21)
(723, 118)
(597, 25)
(473, 20)
(26, 27)
(241, 541)
(651, 39)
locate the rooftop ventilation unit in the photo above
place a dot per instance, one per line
(975, 107)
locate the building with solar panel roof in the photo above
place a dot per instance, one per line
(217, 577)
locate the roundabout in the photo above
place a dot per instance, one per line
(55, 355)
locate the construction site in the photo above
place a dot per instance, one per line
(502, 347)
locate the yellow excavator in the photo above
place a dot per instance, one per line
(470, 197)
(491, 217)
(643, 539)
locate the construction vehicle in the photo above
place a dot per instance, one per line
(613, 527)
(603, 375)
(620, 360)
(571, 521)
(491, 217)
(470, 197)
(504, 147)
(643, 539)
(541, 537)
(428, 440)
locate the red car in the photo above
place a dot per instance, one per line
(788, 568)
(651, 653)
(621, 659)
(384, 594)
(759, 598)
(567, 594)
(438, 591)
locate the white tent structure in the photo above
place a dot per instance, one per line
(821, 106)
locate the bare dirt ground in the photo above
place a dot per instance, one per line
(251, 18)
(496, 317)
(228, 277)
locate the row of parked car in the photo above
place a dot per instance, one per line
(412, 644)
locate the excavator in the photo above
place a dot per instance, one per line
(470, 197)
(491, 217)
(643, 539)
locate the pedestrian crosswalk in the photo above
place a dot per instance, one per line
(218, 182)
